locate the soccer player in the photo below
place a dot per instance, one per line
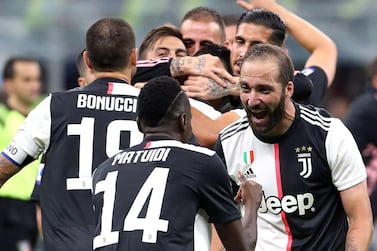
(313, 177)
(77, 130)
(146, 197)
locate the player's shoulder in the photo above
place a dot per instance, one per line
(316, 116)
(235, 129)
(182, 147)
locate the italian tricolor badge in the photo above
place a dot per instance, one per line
(248, 157)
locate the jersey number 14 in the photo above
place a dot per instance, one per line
(150, 225)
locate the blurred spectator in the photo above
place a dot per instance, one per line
(338, 106)
(362, 122)
(22, 85)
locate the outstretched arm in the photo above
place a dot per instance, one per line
(323, 51)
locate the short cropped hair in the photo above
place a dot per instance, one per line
(157, 99)
(109, 43)
(167, 30)
(230, 19)
(205, 14)
(9, 71)
(269, 20)
(273, 53)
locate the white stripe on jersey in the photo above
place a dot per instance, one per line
(315, 113)
(151, 62)
(315, 118)
(234, 128)
(208, 110)
(175, 143)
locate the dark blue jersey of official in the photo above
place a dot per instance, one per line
(147, 197)
(88, 125)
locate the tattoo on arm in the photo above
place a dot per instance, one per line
(217, 91)
(200, 65)
(176, 67)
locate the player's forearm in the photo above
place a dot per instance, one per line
(322, 48)
(7, 170)
(249, 222)
(359, 236)
(217, 91)
(183, 66)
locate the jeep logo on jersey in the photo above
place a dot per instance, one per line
(304, 156)
(289, 204)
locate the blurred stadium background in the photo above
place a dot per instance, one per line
(54, 32)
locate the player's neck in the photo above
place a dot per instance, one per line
(116, 74)
(154, 132)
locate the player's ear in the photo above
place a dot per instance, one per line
(289, 89)
(81, 81)
(87, 60)
(133, 57)
(183, 121)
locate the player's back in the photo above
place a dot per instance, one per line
(88, 125)
(147, 197)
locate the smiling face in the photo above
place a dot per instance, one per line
(263, 97)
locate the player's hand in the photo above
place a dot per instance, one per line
(206, 88)
(250, 192)
(204, 65)
(253, 4)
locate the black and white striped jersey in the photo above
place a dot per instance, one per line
(76, 130)
(147, 197)
(301, 173)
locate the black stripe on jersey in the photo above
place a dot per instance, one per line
(232, 129)
(315, 119)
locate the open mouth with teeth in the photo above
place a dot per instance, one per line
(259, 118)
(259, 114)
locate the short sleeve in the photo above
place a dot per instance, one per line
(344, 158)
(216, 194)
